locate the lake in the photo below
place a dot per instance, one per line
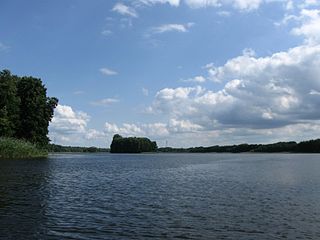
(161, 196)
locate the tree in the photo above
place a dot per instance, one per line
(9, 104)
(36, 110)
(131, 145)
(25, 109)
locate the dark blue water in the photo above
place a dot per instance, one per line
(161, 196)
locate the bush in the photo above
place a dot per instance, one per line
(11, 148)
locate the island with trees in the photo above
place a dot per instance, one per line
(25, 113)
(132, 145)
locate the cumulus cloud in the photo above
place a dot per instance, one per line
(258, 93)
(94, 134)
(107, 71)
(68, 121)
(70, 127)
(310, 25)
(125, 10)
(127, 129)
(155, 130)
(276, 97)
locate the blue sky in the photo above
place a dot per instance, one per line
(190, 72)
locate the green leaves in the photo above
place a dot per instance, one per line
(131, 145)
(25, 109)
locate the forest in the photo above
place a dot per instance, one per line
(60, 148)
(311, 146)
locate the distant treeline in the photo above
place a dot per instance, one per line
(59, 148)
(312, 146)
(132, 145)
(25, 109)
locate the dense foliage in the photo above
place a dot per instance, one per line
(132, 145)
(312, 146)
(25, 109)
(14, 149)
(59, 148)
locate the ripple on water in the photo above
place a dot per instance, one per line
(173, 196)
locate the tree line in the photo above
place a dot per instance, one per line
(25, 109)
(59, 148)
(131, 145)
(311, 146)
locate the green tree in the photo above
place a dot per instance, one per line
(36, 110)
(131, 145)
(9, 104)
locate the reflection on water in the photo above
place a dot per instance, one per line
(189, 196)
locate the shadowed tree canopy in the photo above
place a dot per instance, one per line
(132, 145)
(311, 146)
(9, 104)
(25, 109)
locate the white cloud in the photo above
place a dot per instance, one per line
(247, 5)
(310, 25)
(197, 79)
(314, 92)
(78, 92)
(70, 127)
(94, 134)
(172, 28)
(175, 3)
(107, 71)
(105, 102)
(153, 130)
(67, 124)
(106, 32)
(243, 5)
(126, 129)
(309, 3)
(224, 13)
(203, 3)
(183, 126)
(272, 92)
(289, 5)
(125, 10)
(286, 19)
(68, 121)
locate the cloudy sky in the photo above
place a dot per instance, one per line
(189, 72)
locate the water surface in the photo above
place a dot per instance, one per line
(158, 196)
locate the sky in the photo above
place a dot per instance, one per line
(181, 72)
